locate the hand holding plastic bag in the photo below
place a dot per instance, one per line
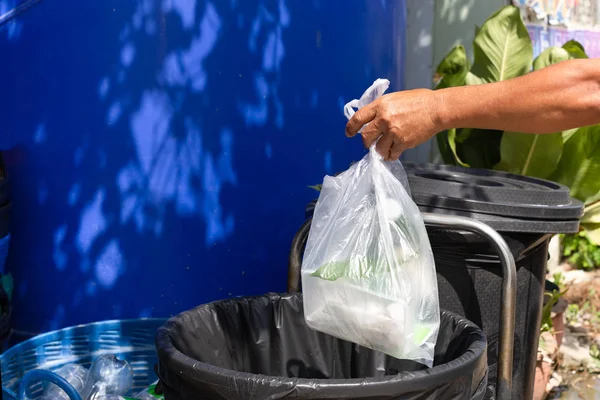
(368, 274)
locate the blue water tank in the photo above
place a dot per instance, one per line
(160, 151)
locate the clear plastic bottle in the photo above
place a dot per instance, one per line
(74, 374)
(108, 376)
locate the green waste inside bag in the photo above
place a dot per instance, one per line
(342, 269)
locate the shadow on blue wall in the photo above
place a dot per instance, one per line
(161, 150)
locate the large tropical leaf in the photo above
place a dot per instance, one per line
(449, 143)
(568, 133)
(551, 55)
(444, 148)
(593, 232)
(454, 139)
(575, 49)
(531, 155)
(472, 79)
(453, 68)
(451, 72)
(479, 148)
(593, 202)
(502, 47)
(591, 216)
(579, 166)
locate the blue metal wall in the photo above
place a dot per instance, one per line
(161, 150)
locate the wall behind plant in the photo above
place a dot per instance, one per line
(161, 150)
(544, 37)
(455, 22)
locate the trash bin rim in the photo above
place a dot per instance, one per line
(180, 362)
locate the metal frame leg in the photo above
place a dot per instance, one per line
(509, 284)
(509, 292)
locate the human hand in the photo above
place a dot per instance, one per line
(400, 121)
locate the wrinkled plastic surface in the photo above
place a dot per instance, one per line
(368, 273)
(260, 348)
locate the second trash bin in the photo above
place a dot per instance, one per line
(527, 212)
(260, 348)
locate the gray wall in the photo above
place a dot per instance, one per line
(433, 28)
(455, 22)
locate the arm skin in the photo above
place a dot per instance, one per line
(556, 98)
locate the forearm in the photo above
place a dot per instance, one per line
(556, 98)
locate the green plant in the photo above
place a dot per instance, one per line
(502, 50)
(595, 351)
(547, 324)
(580, 252)
(559, 280)
(572, 313)
(553, 298)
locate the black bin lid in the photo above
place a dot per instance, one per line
(507, 202)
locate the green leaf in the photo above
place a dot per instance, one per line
(591, 213)
(472, 79)
(593, 232)
(453, 69)
(444, 148)
(357, 269)
(551, 55)
(591, 217)
(575, 49)
(481, 149)
(451, 72)
(568, 133)
(452, 139)
(579, 166)
(331, 271)
(531, 155)
(593, 201)
(463, 134)
(502, 47)
(547, 309)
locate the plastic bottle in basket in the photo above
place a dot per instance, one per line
(74, 374)
(108, 376)
(147, 394)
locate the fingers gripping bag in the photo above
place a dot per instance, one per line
(368, 274)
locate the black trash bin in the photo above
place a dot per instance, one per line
(527, 212)
(260, 348)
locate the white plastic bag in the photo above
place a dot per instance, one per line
(368, 274)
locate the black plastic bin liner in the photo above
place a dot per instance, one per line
(260, 348)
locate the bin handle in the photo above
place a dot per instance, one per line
(509, 288)
(43, 375)
(295, 260)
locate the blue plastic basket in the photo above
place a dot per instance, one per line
(27, 364)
